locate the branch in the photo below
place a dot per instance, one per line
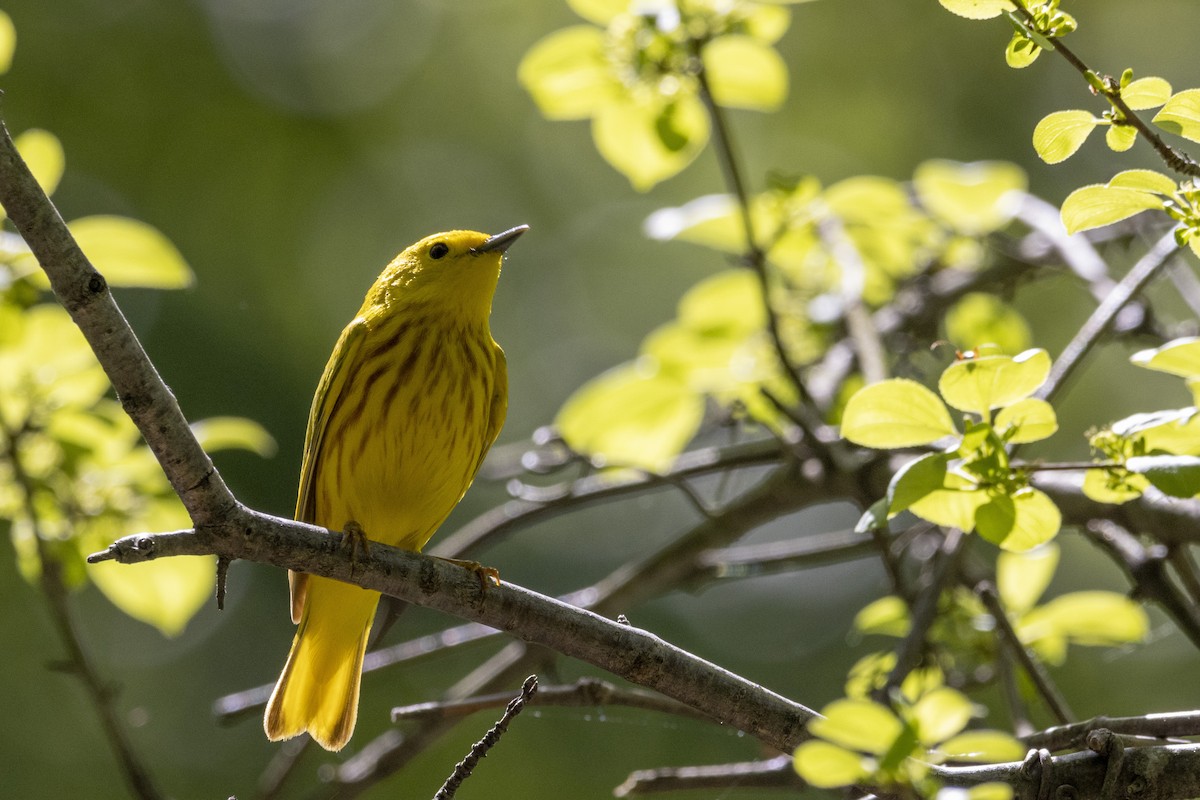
(625, 651)
(464, 768)
(775, 773)
(1151, 726)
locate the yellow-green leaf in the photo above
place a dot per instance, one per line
(568, 73)
(729, 299)
(1021, 51)
(1173, 475)
(1020, 521)
(983, 747)
(1120, 138)
(1096, 206)
(744, 72)
(973, 199)
(887, 616)
(1058, 135)
(927, 488)
(978, 9)
(234, 433)
(1177, 357)
(649, 141)
(1146, 180)
(1105, 486)
(992, 790)
(940, 714)
(986, 382)
(131, 253)
(632, 415)
(600, 12)
(896, 413)
(1093, 618)
(8, 41)
(983, 319)
(1149, 92)
(856, 724)
(1022, 578)
(1031, 420)
(1181, 115)
(826, 766)
(43, 153)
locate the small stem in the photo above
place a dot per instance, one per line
(464, 768)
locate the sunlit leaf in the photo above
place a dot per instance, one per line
(1020, 521)
(1144, 179)
(1105, 486)
(649, 142)
(131, 253)
(826, 766)
(52, 365)
(8, 41)
(1088, 618)
(1174, 475)
(983, 747)
(1022, 578)
(887, 616)
(1120, 138)
(1177, 357)
(728, 299)
(1181, 115)
(711, 220)
(44, 156)
(1031, 420)
(234, 433)
(632, 415)
(1059, 134)
(1149, 92)
(600, 12)
(978, 9)
(973, 199)
(744, 72)
(1096, 206)
(862, 725)
(992, 790)
(568, 73)
(1021, 51)
(940, 714)
(927, 488)
(980, 319)
(896, 413)
(986, 382)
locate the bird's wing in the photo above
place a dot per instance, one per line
(329, 393)
(498, 408)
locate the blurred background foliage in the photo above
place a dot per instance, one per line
(288, 148)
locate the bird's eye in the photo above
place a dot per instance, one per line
(438, 250)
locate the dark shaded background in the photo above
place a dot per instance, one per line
(290, 147)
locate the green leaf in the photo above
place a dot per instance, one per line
(856, 724)
(1021, 50)
(986, 382)
(1177, 476)
(649, 141)
(1120, 138)
(600, 12)
(977, 9)
(973, 199)
(632, 415)
(992, 790)
(896, 413)
(234, 433)
(1107, 486)
(1149, 92)
(827, 766)
(744, 72)
(8, 41)
(940, 714)
(131, 253)
(1022, 578)
(1181, 115)
(568, 73)
(983, 747)
(982, 319)
(1146, 180)
(1177, 357)
(730, 299)
(44, 156)
(1094, 618)
(1096, 206)
(1059, 135)
(52, 364)
(1031, 420)
(927, 488)
(1020, 521)
(887, 616)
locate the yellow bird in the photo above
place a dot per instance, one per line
(412, 398)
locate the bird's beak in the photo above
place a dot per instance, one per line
(501, 241)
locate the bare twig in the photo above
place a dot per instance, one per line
(1149, 726)
(464, 768)
(775, 773)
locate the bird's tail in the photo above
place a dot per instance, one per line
(318, 690)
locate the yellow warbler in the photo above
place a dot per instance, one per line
(410, 401)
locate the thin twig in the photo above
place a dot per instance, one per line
(1089, 334)
(1170, 725)
(775, 773)
(464, 768)
(1032, 666)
